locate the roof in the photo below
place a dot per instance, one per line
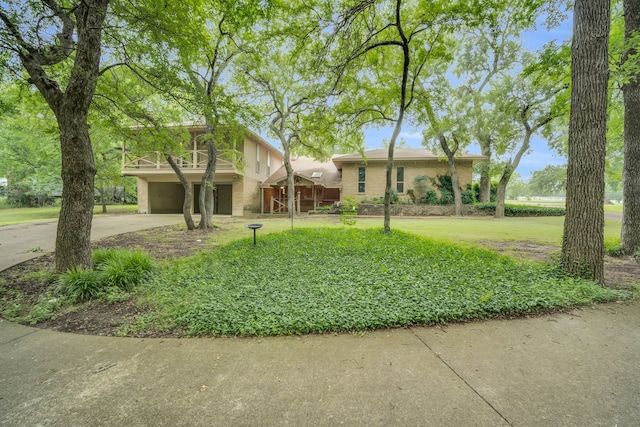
(381, 154)
(325, 174)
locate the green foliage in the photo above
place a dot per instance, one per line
(116, 270)
(80, 284)
(493, 192)
(420, 187)
(613, 247)
(522, 211)
(550, 181)
(348, 211)
(444, 185)
(125, 268)
(421, 192)
(361, 279)
(45, 309)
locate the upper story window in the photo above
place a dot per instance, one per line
(361, 179)
(257, 158)
(400, 179)
(268, 163)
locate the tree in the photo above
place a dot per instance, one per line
(449, 132)
(550, 181)
(192, 72)
(47, 38)
(284, 74)
(583, 239)
(532, 100)
(388, 44)
(630, 238)
(485, 52)
(29, 145)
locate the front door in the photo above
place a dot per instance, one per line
(223, 198)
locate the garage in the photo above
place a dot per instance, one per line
(165, 197)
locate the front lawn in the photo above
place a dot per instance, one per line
(343, 279)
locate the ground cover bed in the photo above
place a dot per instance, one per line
(301, 281)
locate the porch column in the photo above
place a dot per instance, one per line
(194, 155)
(315, 198)
(298, 202)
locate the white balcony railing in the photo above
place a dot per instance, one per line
(196, 160)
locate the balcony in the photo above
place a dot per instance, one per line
(196, 161)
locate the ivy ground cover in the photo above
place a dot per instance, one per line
(346, 279)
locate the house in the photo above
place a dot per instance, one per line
(256, 180)
(316, 184)
(237, 178)
(359, 176)
(364, 177)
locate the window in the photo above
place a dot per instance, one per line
(268, 163)
(400, 179)
(361, 179)
(257, 159)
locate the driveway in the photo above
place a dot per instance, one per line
(21, 242)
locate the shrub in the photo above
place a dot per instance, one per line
(430, 198)
(124, 268)
(102, 255)
(80, 284)
(348, 211)
(522, 211)
(114, 268)
(420, 187)
(445, 186)
(613, 247)
(468, 196)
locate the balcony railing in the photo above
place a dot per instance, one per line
(196, 160)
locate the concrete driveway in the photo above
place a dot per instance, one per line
(21, 242)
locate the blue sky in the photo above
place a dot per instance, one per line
(540, 155)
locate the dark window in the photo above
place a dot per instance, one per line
(400, 179)
(361, 179)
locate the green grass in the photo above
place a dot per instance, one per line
(9, 216)
(344, 279)
(475, 230)
(613, 208)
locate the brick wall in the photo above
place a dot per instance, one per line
(375, 179)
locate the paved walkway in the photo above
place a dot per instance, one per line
(21, 242)
(572, 369)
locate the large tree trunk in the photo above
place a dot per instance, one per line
(291, 185)
(188, 194)
(78, 39)
(206, 185)
(583, 240)
(630, 237)
(502, 191)
(485, 177)
(103, 200)
(513, 164)
(389, 173)
(73, 238)
(453, 171)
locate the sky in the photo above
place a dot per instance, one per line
(540, 155)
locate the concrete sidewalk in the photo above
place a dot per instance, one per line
(571, 369)
(575, 369)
